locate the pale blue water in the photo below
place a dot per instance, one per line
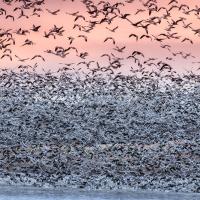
(19, 193)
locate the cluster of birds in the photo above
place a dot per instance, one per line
(100, 13)
(97, 127)
(95, 132)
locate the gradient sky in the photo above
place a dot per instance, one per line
(95, 45)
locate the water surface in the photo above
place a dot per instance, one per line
(20, 193)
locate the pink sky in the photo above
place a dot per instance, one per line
(95, 45)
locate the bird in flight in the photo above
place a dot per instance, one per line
(119, 49)
(133, 35)
(53, 12)
(38, 56)
(110, 38)
(187, 39)
(113, 30)
(6, 55)
(28, 42)
(83, 36)
(21, 59)
(35, 28)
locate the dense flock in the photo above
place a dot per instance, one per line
(100, 131)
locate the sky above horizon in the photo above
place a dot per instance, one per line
(185, 40)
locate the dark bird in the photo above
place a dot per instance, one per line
(106, 55)
(119, 49)
(71, 39)
(110, 38)
(145, 36)
(79, 17)
(2, 11)
(21, 59)
(129, 1)
(173, 7)
(10, 16)
(74, 48)
(84, 37)
(172, 1)
(137, 53)
(113, 30)
(158, 39)
(6, 55)
(133, 35)
(73, 14)
(145, 27)
(83, 55)
(169, 58)
(35, 28)
(27, 42)
(166, 46)
(47, 35)
(183, 6)
(7, 50)
(21, 32)
(187, 39)
(38, 56)
(187, 25)
(139, 11)
(53, 12)
(124, 16)
(22, 15)
(164, 66)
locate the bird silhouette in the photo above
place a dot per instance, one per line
(110, 38)
(35, 28)
(37, 56)
(84, 37)
(53, 12)
(10, 16)
(28, 42)
(113, 30)
(21, 59)
(134, 35)
(187, 39)
(120, 49)
(6, 55)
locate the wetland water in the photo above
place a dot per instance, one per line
(20, 193)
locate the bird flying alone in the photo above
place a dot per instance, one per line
(187, 39)
(110, 38)
(38, 56)
(53, 12)
(133, 35)
(6, 55)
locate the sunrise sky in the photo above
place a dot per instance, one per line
(95, 46)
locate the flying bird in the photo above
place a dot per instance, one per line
(38, 56)
(187, 39)
(21, 59)
(137, 53)
(133, 35)
(173, 1)
(83, 36)
(113, 30)
(53, 12)
(110, 38)
(79, 17)
(6, 55)
(119, 49)
(28, 42)
(35, 28)
(10, 16)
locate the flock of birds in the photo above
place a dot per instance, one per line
(105, 13)
(99, 132)
(100, 128)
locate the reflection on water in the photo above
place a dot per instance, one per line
(18, 193)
